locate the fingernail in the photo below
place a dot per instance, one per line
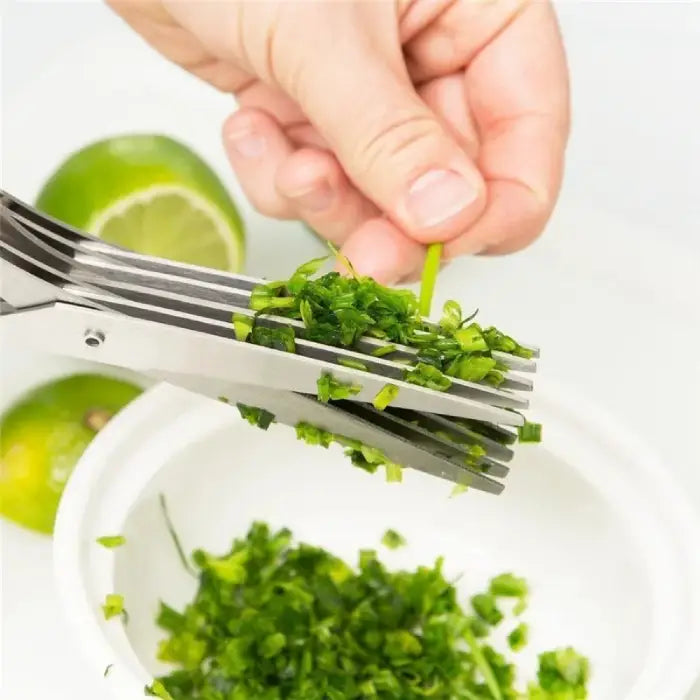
(247, 143)
(437, 196)
(318, 198)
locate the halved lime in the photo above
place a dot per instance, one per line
(43, 435)
(151, 194)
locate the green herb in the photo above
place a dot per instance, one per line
(508, 586)
(485, 607)
(173, 534)
(312, 435)
(393, 540)
(474, 455)
(108, 670)
(431, 269)
(521, 606)
(459, 488)
(256, 416)
(157, 690)
(242, 326)
(517, 639)
(470, 338)
(263, 299)
(275, 619)
(394, 472)
(483, 665)
(562, 673)
(113, 605)
(385, 396)
(428, 376)
(530, 432)
(496, 340)
(223, 399)
(111, 541)
(478, 627)
(352, 363)
(339, 310)
(309, 268)
(471, 368)
(230, 569)
(332, 389)
(363, 456)
(276, 338)
(306, 312)
(451, 317)
(383, 350)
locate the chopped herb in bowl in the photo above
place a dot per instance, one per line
(274, 618)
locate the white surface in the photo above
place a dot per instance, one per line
(611, 297)
(605, 543)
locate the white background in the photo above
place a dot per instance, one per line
(634, 159)
(635, 66)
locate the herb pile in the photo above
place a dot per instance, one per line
(339, 310)
(274, 619)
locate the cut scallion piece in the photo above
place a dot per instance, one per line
(431, 268)
(385, 396)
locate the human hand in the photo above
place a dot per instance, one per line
(385, 125)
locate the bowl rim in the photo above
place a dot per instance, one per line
(162, 408)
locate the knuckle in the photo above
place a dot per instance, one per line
(273, 209)
(397, 137)
(266, 203)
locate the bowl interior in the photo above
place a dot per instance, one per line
(588, 573)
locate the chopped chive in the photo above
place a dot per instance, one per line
(392, 539)
(451, 316)
(508, 586)
(275, 618)
(457, 489)
(311, 267)
(430, 272)
(517, 639)
(383, 350)
(385, 396)
(157, 690)
(242, 326)
(483, 666)
(340, 310)
(394, 472)
(111, 541)
(173, 534)
(331, 389)
(485, 607)
(307, 314)
(530, 432)
(256, 416)
(352, 363)
(113, 605)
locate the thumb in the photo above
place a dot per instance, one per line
(389, 142)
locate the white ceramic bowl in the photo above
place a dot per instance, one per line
(590, 518)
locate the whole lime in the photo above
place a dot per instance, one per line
(43, 435)
(150, 194)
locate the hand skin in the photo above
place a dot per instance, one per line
(385, 125)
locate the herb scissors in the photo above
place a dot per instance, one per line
(70, 293)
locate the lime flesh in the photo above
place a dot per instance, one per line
(151, 194)
(42, 437)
